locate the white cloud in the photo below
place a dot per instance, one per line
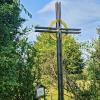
(83, 13)
(50, 6)
(76, 10)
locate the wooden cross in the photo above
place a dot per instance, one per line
(58, 30)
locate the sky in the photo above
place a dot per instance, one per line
(84, 14)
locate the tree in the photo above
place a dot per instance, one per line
(94, 67)
(17, 57)
(10, 21)
(72, 61)
(71, 52)
(26, 71)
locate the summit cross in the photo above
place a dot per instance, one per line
(58, 30)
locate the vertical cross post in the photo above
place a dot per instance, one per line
(59, 52)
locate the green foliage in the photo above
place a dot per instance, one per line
(94, 63)
(72, 61)
(17, 57)
(8, 75)
(93, 68)
(26, 74)
(10, 22)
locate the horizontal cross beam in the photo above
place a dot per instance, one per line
(55, 31)
(51, 28)
(50, 31)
